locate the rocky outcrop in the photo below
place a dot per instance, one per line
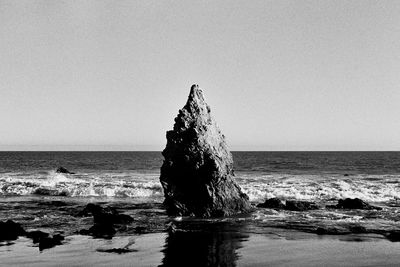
(394, 236)
(197, 173)
(50, 241)
(44, 239)
(105, 220)
(107, 215)
(293, 205)
(353, 203)
(10, 230)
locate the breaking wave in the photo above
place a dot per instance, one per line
(371, 188)
(86, 185)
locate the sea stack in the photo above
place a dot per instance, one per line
(197, 173)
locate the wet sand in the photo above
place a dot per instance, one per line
(222, 247)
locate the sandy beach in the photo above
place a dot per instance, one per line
(278, 248)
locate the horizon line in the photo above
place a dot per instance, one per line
(155, 148)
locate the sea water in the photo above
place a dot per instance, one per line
(30, 187)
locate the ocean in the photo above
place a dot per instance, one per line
(33, 194)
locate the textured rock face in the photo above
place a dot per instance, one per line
(197, 171)
(353, 203)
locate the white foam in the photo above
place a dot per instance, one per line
(80, 185)
(381, 189)
(258, 188)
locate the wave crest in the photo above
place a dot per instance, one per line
(56, 184)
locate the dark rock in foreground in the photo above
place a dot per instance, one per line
(104, 220)
(105, 215)
(36, 236)
(353, 203)
(197, 173)
(63, 170)
(44, 239)
(10, 230)
(99, 230)
(296, 205)
(394, 236)
(272, 203)
(49, 242)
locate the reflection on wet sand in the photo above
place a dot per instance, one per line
(203, 244)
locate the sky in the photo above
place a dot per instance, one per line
(278, 75)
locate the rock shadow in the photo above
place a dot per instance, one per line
(203, 244)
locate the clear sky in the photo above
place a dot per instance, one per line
(278, 75)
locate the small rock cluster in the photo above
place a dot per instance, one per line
(296, 205)
(104, 220)
(11, 230)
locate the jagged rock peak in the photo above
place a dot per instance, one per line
(196, 96)
(197, 173)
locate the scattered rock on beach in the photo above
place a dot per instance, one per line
(63, 170)
(49, 242)
(272, 203)
(197, 173)
(36, 236)
(105, 215)
(91, 209)
(394, 236)
(10, 230)
(44, 239)
(104, 220)
(353, 203)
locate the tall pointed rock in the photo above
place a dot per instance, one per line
(197, 173)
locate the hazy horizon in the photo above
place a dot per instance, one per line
(278, 75)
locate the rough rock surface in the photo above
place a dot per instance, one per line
(293, 205)
(105, 215)
(353, 203)
(197, 173)
(105, 220)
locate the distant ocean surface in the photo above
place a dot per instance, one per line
(130, 180)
